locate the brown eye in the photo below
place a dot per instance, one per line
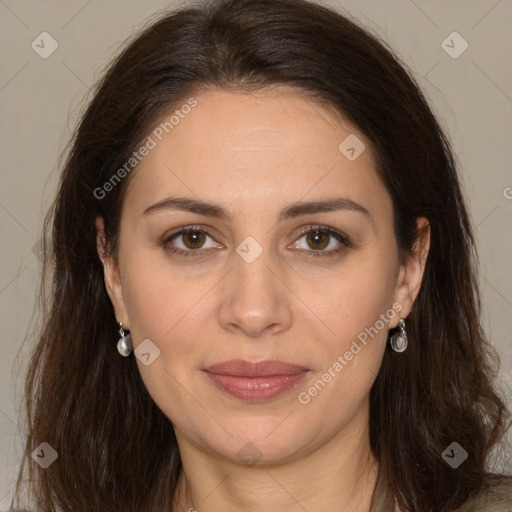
(322, 241)
(317, 240)
(193, 239)
(190, 241)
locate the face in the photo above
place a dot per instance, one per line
(260, 275)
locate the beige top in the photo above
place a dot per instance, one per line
(495, 496)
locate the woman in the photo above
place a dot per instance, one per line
(259, 193)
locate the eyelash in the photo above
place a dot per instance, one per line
(340, 237)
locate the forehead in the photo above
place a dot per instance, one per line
(273, 146)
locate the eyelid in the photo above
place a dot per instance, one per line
(183, 230)
(342, 237)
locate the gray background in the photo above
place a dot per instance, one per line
(41, 99)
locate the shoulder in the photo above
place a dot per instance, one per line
(494, 496)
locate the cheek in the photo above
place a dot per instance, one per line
(159, 300)
(355, 311)
(170, 309)
(165, 311)
(353, 302)
(352, 353)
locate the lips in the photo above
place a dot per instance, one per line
(241, 368)
(255, 382)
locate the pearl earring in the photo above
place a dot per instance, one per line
(124, 345)
(399, 340)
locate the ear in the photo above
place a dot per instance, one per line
(411, 272)
(111, 275)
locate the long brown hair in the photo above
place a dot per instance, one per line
(116, 449)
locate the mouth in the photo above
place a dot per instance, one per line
(255, 382)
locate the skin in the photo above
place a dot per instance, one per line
(255, 154)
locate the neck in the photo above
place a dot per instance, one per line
(339, 475)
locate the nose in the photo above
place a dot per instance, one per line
(254, 298)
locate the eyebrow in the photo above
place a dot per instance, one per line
(289, 212)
